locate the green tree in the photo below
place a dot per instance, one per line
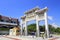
(32, 28)
(51, 29)
(57, 30)
(42, 28)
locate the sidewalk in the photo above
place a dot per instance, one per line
(8, 38)
(24, 38)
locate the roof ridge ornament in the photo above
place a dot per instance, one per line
(33, 9)
(42, 10)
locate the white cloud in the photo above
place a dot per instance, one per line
(50, 18)
(54, 25)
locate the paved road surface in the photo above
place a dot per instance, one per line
(19, 38)
(3, 38)
(8, 38)
(26, 38)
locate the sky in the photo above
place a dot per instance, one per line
(16, 8)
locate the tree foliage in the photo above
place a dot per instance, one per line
(32, 28)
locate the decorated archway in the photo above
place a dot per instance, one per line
(38, 15)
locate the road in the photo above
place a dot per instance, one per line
(27, 38)
(8, 38)
(19, 38)
(3, 38)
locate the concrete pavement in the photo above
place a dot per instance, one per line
(3, 38)
(19, 38)
(8, 38)
(26, 38)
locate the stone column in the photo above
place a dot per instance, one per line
(25, 28)
(37, 26)
(46, 25)
(21, 28)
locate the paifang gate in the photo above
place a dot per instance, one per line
(38, 15)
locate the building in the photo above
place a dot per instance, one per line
(7, 23)
(14, 31)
